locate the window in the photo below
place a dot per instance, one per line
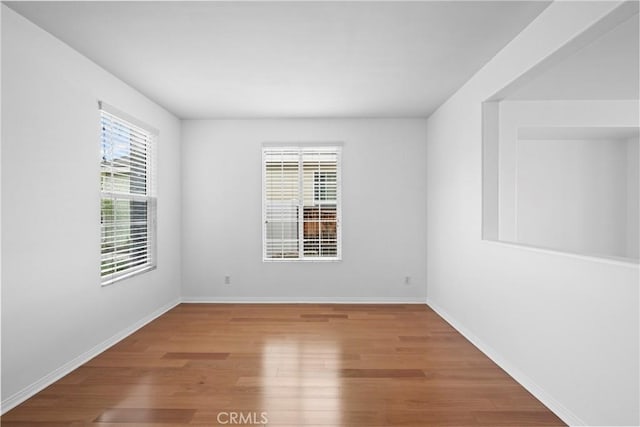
(128, 200)
(324, 187)
(301, 202)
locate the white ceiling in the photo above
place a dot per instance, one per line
(607, 68)
(288, 59)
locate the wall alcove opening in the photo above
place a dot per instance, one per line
(561, 151)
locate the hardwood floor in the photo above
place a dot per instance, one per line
(294, 365)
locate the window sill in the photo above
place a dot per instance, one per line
(127, 275)
(625, 262)
(295, 260)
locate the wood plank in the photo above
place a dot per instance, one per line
(145, 415)
(324, 316)
(275, 320)
(196, 356)
(381, 373)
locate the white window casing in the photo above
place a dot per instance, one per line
(301, 202)
(128, 202)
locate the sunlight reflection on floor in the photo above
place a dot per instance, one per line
(307, 377)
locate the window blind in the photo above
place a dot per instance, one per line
(301, 203)
(128, 199)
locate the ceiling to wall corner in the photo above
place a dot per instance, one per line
(288, 59)
(607, 68)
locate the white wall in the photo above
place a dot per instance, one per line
(572, 195)
(383, 193)
(633, 197)
(516, 115)
(53, 307)
(565, 326)
(605, 69)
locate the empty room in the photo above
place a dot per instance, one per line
(320, 213)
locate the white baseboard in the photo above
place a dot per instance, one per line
(549, 401)
(301, 300)
(29, 391)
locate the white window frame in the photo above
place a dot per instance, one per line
(150, 196)
(338, 147)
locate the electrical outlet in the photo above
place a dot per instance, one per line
(407, 280)
(227, 280)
